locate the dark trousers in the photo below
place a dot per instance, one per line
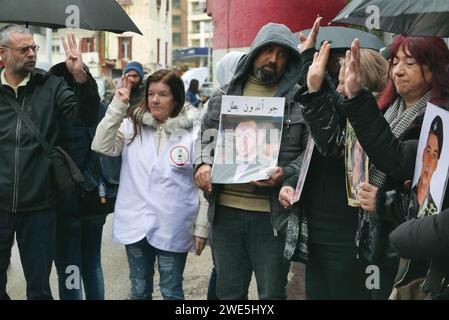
(35, 235)
(78, 257)
(334, 272)
(387, 274)
(243, 242)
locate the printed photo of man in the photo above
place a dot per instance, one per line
(431, 155)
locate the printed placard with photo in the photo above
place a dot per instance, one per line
(304, 168)
(432, 163)
(249, 139)
(356, 166)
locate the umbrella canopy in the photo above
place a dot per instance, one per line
(105, 15)
(341, 38)
(199, 74)
(408, 17)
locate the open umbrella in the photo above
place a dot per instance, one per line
(199, 74)
(408, 17)
(341, 38)
(105, 15)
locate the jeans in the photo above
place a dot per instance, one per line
(141, 259)
(78, 257)
(243, 242)
(212, 287)
(35, 234)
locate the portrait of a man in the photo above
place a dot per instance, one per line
(254, 151)
(421, 192)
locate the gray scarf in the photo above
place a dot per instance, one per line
(399, 119)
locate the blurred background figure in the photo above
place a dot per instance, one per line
(193, 94)
(134, 71)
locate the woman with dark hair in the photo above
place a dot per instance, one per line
(192, 94)
(419, 71)
(158, 212)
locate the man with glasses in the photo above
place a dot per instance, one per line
(134, 71)
(27, 191)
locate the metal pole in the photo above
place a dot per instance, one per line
(209, 55)
(49, 39)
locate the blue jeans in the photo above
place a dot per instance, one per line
(78, 257)
(141, 259)
(243, 242)
(35, 234)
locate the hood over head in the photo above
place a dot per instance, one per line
(271, 33)
(227, 65)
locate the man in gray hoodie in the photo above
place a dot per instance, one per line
(248, 224)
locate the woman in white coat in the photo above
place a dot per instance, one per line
(158, 212)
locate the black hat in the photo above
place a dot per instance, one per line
(436, 128)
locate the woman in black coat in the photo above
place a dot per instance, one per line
(424, 239)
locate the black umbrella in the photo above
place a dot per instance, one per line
(105, 15)
(341, 38)
(408, 17)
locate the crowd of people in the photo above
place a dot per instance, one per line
(147, 155)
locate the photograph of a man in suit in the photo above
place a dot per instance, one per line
(253, 155)
(431, 154)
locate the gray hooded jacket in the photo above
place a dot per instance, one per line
(294, 135)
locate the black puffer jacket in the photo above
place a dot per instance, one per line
(25, 177)
(331, 220)
(426, 238)
(294, 130)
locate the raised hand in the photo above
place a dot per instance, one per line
(353, 72)
(310, 41)
(74, 60)
(124, 90)
(317, 69)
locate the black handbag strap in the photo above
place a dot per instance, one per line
(30, 124)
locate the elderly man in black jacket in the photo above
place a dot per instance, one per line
(27, 192)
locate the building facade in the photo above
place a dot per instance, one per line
(236, 23)
(197, 52)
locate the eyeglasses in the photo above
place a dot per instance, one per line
(24, 50)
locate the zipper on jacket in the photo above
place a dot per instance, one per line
(15, 199)
(159, 133)
(404, 274)
(289, 102)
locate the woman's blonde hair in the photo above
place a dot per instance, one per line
(374, 70)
